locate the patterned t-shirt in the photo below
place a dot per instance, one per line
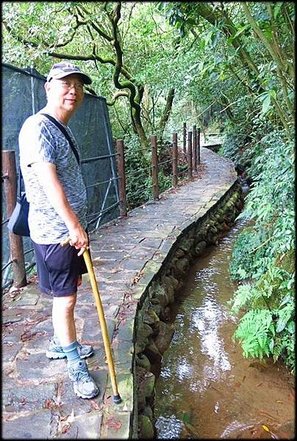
(41, 141)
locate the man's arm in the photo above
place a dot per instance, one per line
(47, 176)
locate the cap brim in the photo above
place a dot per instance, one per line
(86, 79)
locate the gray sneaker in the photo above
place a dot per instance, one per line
(55, 351)
(83, 384)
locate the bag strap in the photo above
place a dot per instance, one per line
(20, 182)
(65, 133)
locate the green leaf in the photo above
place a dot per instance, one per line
(266, 104)
(277, 8)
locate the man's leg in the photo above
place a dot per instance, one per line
(59, 271)
(65, 330)
(63, 319)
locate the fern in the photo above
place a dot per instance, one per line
(254, 332)
(243, 295)
(284, 315)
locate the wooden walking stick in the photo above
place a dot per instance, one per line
(116, 397)
(87, 258)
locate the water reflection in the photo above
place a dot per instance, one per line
(170, 427)
(183, 369)
(206, 389)
(203, 323)
(197, 356)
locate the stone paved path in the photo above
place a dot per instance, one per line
(38, 401)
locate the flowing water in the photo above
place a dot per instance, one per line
(206, 389)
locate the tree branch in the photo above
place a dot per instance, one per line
(118, 95)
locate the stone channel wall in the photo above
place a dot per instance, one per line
(153, 328)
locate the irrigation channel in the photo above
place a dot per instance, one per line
(206, 388)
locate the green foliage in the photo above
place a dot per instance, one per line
(255, 333)
(264, 255)
(137, 168)
(242, 137)
(165, 182)
(244, 295)
(248, 256)
(265, 332)
(138, 174)
(254, 43)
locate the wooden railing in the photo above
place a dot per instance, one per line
(188, 156)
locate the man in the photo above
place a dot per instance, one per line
(58, 205)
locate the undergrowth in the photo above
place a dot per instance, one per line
(264, 254)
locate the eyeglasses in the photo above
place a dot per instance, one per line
(68, 85)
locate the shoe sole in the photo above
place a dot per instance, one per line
(55, 356)
(79, 394)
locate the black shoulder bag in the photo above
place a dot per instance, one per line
(18, 222)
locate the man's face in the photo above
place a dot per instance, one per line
(66, 93)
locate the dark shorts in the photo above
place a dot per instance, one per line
(58, 268)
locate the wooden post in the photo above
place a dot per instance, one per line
(122, 176)
(185, 139)
(174, 159)
(16, 242)
(155, 167)
(190, 169)
(198, 145)
(195, 148)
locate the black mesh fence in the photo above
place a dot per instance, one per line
(22, 95)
